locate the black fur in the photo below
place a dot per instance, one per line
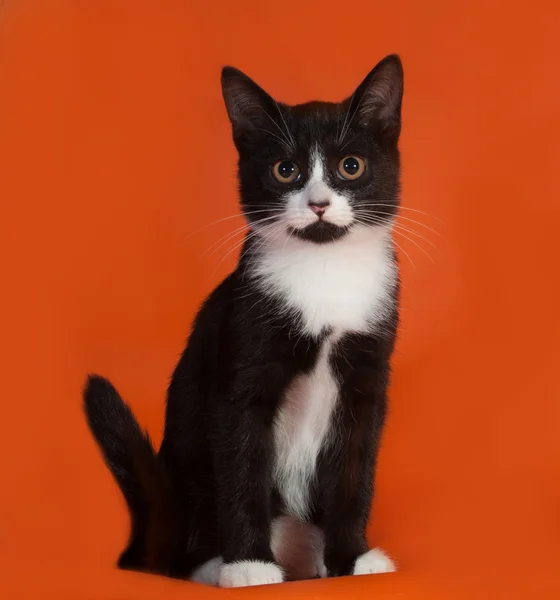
(209, 492)
(363, 123)
(129, 454)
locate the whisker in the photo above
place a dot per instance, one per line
(401, 249)
(413, 221)
(286, 126)
(281, 140)
(397, 225)
(416, 244)
(264, 238)
(399, 208)
(413, 232)
(341, 148)
(339, 140)
(236, 245)
(236, 216)
(288, 238)
(287, 139)
(267, 237)
(223, 240)
(337, 122)
(352, 117)
(412, 241)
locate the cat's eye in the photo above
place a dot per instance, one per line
(285, 171)
(351, 167)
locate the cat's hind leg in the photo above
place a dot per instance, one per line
(298, 548)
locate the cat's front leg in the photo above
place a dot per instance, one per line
(346, 547)
(243, 462)
(349, 466)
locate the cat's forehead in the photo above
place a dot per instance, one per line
(314, 118)
(315, 122)
(324, 124)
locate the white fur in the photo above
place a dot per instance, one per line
(343, 284)
(298, 548)
(301, 428)
(249, 572)
(374, 561)
(209, 572)
(298, 214)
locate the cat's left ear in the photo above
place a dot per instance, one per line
(249, 107)
(377, 101)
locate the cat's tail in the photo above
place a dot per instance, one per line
(141, 476)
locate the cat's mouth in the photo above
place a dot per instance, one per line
(320, 232)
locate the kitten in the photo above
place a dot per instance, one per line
(275, 409)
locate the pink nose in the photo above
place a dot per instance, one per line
(319, 207)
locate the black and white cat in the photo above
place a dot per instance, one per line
(276, 407)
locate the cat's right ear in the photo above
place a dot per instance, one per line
(248, 106)
(377, 101)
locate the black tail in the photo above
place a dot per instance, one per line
(129, 454)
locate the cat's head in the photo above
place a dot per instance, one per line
(317, 170)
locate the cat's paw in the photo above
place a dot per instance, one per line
(208, 573)
(249, 572)
(373, 561)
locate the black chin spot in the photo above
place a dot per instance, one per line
(320, 232)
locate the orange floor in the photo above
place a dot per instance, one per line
(115, 155)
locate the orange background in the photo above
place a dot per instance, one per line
(115, 155)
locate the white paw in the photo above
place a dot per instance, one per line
(209, 572)
(249, 572)
(374, 561)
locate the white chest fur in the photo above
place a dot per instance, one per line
(343, 286)
(301, 428)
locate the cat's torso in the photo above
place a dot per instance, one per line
(329, 293)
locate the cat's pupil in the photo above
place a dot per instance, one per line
(286, 169)
(351, 165)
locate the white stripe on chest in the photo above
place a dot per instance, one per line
(344, 286)
(301, 428)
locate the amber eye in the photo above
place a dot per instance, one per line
(285, 171)
(351, 167)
